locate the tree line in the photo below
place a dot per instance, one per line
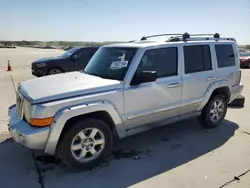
(66, 43)
(56, 43)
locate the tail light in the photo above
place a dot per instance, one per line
(238, 78)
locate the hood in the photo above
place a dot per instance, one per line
(59, 86)
(48, 59)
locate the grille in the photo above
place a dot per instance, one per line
(19, 104)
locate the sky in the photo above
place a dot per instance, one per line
(121, 20)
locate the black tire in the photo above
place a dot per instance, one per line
(238, 102)
(55, 70)
(205, 119)
(65, 154)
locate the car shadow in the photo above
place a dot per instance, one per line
(142, 156)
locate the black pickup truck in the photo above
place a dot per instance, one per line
(74, 59)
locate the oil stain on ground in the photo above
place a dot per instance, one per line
(121, 154)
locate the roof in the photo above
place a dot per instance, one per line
(137, 44)
(143, 44)
(87, 47)
(174, 39)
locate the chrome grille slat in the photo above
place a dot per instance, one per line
(19, 104)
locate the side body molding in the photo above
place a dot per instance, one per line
(214, 85)
(63, 115)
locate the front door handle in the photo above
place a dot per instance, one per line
(172, 85)
(210, 78)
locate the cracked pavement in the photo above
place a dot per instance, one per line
(179, 155)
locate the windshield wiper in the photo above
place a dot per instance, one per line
(93, 74)
(104, 77)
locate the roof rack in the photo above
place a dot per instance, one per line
(189, 37)
(197, 37)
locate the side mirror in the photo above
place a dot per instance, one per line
(144, 77)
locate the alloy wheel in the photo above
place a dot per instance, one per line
(87, 145)
(54, 71)
(217, 111)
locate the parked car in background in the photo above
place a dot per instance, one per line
(245, 59)
(74, 59)
(242, 50)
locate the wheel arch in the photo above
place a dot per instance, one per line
(225, 91)
(218, 87)
(101, 115)
(64, 118)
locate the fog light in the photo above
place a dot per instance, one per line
(21, 138)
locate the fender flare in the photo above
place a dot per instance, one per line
(210, 89)
(63, 115)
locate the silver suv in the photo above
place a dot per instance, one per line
(126, 89)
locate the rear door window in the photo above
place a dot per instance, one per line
(197, 58)
(225, 55)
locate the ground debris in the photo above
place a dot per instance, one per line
(246, 132)
(236, 178)
(119, 154)
(39, 173)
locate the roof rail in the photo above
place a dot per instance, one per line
(131, 41)
(184, 36)
(160, 35)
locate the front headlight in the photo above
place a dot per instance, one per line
(27, 110)
(40, 65)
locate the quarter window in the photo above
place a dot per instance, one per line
(197, 58)
(164, 61)
(225, 55)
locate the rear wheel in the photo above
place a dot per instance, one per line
(214, 112)
(86, 144)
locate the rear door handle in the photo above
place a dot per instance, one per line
(210, 78)
(172, 85)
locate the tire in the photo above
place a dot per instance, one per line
(54, 71)
(206, 116)
(68, 154)
(238, 102)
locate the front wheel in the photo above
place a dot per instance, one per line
(86, 144)
(214, 112)
(54, 71)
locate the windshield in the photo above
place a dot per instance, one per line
(69, 52)
(110, 62)
(245, 54)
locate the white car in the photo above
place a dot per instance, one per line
(126, 89)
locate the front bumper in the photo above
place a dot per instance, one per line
(235, 92)
(38, 72)
(23, 133)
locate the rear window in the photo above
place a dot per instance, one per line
(225, 55)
